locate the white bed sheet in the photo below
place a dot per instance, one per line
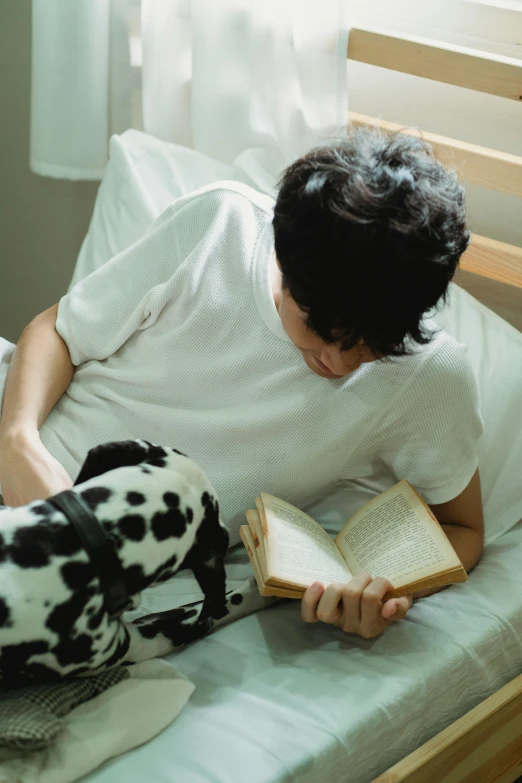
(279, 700)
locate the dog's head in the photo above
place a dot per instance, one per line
(121, 453)
(153, 511)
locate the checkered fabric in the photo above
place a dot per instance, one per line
(30, 716)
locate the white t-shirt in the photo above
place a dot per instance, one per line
(177, 340)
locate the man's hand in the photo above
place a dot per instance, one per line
(28, 472)
(356, 607)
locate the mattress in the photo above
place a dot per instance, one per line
(280, 700)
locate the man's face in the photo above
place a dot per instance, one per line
(325, 359)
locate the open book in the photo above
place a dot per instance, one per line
(395, 535)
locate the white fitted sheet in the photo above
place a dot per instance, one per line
(280, 700)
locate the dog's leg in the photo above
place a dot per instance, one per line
(209, 569)
(158, 634)
(206, 560)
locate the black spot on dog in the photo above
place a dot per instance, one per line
(132, 527)
(156, 456)
(77, 574)
(78, 650)
(109, 646)
(167, 524)
(3, 549)
(211, 536)
(14, 657)
(90, 610)
(34, 545)
(174, 626)
(135, 498)
(145, 470)
(171, 499)
(149, 631)
(113, 454)
(120, 651)
(165, 572)
(30, 550)
(134, 578)
(156, 451)
(96, 619)
(5, 614)
(158, 462)
(118, 540)
(39, 672)
(170, 562)
(94, 496)
(66, 541)
(81, 670)
(189, 514)
(236, 599)
(42, 509)
(47, 603)
(169, 623)
(65, 614)
(98, 636)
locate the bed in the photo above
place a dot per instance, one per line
(438, 697)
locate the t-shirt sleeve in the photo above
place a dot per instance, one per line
(103, 310)
(432, 442)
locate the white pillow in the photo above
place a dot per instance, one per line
(145, 174)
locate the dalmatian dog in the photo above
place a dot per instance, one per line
(151, 512)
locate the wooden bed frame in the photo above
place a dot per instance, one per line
(485, 745)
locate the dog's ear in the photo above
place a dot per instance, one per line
(115, 454)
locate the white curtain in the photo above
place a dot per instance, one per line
(253, 83)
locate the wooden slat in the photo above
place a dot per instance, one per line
(483, 746)
(442, 62)
(482, 166)
(493, 259)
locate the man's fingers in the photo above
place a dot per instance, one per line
(371, 607)
(357, 607)
(330, 608)
(396, 608)
(351, 597)
(310, 601)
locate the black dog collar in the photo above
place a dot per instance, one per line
(99, 549)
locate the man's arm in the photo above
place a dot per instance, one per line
(39, 373)
(462, 520)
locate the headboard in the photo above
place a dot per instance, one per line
(489, 269)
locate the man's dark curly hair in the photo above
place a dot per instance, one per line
(368, 231)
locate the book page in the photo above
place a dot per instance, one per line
(396, 536)
(299, 550)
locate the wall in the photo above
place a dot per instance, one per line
(43, 221)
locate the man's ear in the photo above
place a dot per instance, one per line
(115, 454)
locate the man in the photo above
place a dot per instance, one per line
(284, 347)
